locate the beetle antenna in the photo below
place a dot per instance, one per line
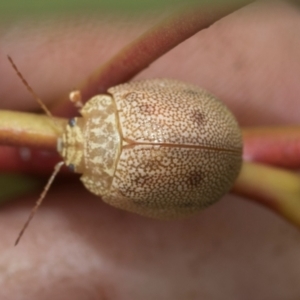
(29, 88)
(40, 200)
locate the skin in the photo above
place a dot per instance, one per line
(80, 248)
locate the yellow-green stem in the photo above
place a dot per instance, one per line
(275, 188)
(28, 129)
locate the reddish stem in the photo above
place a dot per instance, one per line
(31, 135)
(27, 160)
(278, 146)
(154, 43)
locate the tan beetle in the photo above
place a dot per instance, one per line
(160, 148)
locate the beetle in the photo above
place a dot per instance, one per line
(160, 147)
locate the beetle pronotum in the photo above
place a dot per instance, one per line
(160, 148)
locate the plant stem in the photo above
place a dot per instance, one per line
(29, 130)
(279, 146)
(154, 43)
(163, 37)
(277, 189)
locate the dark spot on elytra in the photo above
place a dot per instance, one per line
(198, 117)
(194, 178)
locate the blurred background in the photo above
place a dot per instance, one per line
(12, 9)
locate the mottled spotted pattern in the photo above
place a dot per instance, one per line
(167, 182)
(100, 146)
(172, 112)
(70, 145)
(160, 148)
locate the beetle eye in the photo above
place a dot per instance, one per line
(72, 122)
(71, 167)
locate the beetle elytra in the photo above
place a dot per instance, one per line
(161, 148)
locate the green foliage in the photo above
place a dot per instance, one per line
(75, 6)
(16, 8)
(15, 185)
